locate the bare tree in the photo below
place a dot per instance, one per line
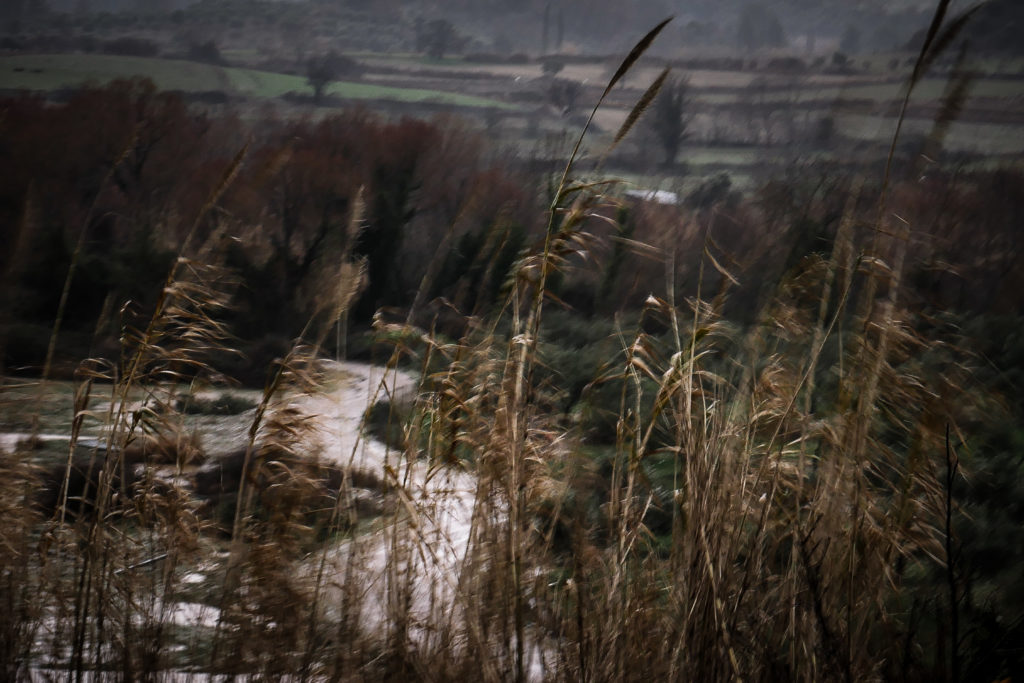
(437, 38)
(322, 70)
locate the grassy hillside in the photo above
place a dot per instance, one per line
(48, 72)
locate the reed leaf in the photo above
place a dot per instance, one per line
(933, 31)
(933, 46)
(939, 38)
(952, 104)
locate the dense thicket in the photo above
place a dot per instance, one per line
(119, 174)
(125, 171)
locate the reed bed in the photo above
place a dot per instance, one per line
(770, 507)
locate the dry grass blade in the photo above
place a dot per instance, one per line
(933, 46)
(935, 43)
(953, 100)
(719, 267)
(955, 96)
(929, 38)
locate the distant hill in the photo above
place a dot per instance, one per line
(520, 26)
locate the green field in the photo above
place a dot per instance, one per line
(49, 72)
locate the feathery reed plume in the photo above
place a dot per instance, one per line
(638, 109)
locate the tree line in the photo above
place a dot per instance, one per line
(115, 177)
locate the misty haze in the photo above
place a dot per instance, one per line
(521, 340)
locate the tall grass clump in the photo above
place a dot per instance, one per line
(758, 515)
(771, 502)
(121, 523)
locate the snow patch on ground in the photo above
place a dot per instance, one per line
(438, 503)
